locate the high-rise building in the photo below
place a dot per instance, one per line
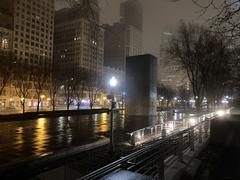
(78, 40)
(5, 41)
(114, 46)
(133, 43)
(131, 13)
(33, 25)
(170, 72)
(6, 26)
(124, 38)
(26, 30)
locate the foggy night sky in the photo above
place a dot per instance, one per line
(158, 16)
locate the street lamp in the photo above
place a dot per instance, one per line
(113, 84)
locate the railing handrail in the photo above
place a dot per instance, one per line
(116, 164)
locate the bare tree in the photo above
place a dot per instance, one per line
(39, 81)
(53, 85)
(79, 93)
(218, 78)
(184, 47)
(6, 68)
(68, 77)
(227, 17)
(200, 52)
(80, 86)
(93, 87)
(23, 84)
(90, 11)
(184, 95)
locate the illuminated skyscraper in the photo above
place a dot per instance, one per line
(78, 38)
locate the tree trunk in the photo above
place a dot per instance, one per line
(1, 90)
(78, 106)
(208, 108)
(91, 105)
(53, 104)
(38, 104)
(198, 105)
(23, 106)
(68, 105)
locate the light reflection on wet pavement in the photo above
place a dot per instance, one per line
(43, 136)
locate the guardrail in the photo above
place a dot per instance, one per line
(150, 160)
(159, 131)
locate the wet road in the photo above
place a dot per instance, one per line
(40, 137)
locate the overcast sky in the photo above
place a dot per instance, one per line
(159, 16)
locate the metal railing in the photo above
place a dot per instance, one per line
(151, 159)
(161, 130)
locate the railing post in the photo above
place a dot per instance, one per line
(179, 147)
(161, 169)
(142, 133)
(200, 132)
(151, 131)
(155, 131)
(206, 127)
(191, 138)
(132, 141)
(164, 132)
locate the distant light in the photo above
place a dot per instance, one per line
(192, 121)
(220, 113)
(113, 82)
(167, 34)
(42, 96)
(175, 98)
(224, 101)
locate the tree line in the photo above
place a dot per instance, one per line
(71, 82)
(207, 57)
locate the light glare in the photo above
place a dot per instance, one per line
(113, 82)
(220, 113)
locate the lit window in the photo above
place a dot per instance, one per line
(4, 43)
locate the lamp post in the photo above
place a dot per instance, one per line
(113, 84)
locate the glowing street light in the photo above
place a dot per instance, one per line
(113, 82)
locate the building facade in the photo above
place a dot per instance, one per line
(170, 72)
(6, 26)
(26, 30)
(131, 13)
(33, 31)
(6, 41)
(124, 38)
(78, 40)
